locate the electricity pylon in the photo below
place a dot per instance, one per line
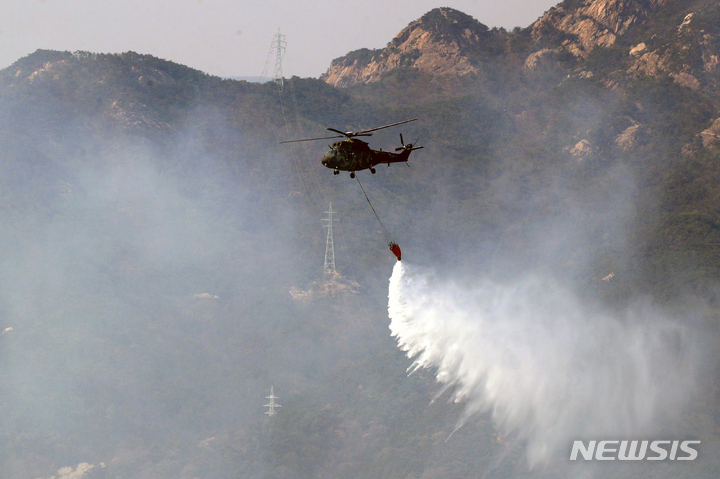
(271, 405)
(278, 46)
(329, 244)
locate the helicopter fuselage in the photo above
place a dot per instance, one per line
(355, 155)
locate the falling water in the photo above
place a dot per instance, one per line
(541, 363)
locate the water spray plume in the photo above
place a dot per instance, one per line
(540, 363)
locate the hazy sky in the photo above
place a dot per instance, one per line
(231, 37)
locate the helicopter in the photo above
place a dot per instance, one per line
(354, 155)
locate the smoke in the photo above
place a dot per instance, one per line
(131, 280)
(77, 473)
(544, 365)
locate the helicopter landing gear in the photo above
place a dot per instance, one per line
(372, 170)
(336, 172)
(352, 174)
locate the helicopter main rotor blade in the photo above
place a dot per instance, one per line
(386, 126)
(338, 131)
(349, 134)
(312, 139)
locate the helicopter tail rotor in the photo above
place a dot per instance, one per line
(408, 146)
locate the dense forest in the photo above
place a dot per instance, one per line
(162, 259)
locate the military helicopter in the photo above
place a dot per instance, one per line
(354, 155)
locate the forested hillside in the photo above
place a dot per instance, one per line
(162, 252)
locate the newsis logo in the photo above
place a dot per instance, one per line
(635, 450)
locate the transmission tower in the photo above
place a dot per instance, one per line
(271, 405)
(278, 46)
(329, 245)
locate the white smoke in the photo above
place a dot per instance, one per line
(543, 364)
(78, 473)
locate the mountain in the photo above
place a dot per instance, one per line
(650, 34)
(161, 264)
(581, 26)
(443, 41)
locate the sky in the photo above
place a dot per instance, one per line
(232, 38)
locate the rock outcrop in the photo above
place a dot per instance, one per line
(711, 135)
(442, 42)
(688, 53)
(449, 42)
(588, 24)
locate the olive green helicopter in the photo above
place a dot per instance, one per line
(354, 155)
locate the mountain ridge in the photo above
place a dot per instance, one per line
(446, 42)
(437, 43)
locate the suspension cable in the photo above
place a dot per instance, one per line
(387, 233)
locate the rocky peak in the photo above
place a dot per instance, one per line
(446, 25)
(688, 51)
(446, 42)
(579, 26)
(443, 41)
